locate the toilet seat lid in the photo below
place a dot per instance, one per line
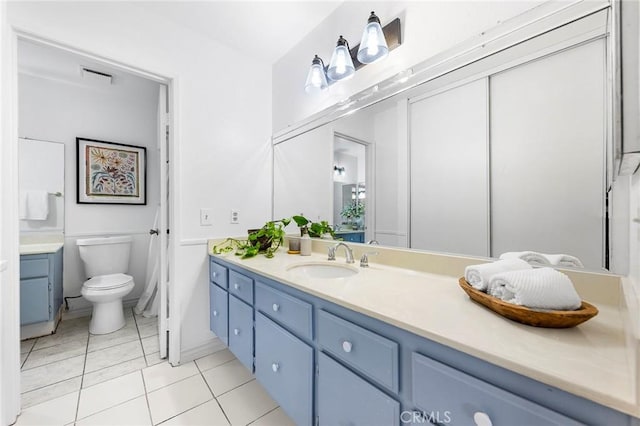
(106, 282)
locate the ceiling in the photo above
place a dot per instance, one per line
(262, 29)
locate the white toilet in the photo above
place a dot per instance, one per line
(106, 260)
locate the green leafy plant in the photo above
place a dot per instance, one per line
(265, 240)
(354, 210)
(315, 229)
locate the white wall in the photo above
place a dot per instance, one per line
(427, 28)
(58, 111)
(222, 150)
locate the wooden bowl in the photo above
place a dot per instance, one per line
(528, 316)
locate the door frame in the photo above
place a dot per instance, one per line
(9, 362)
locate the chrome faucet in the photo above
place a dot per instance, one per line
(373, 242)
(347, 250)
(364, 260)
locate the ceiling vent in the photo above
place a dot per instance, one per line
(96, 77)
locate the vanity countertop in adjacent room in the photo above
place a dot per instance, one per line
(40, 244)
(591, 360)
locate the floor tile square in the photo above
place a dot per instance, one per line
(113, 355)
(59, 411)
(149, 329)
(101, 341)
(133, 412)
(49, 374)
(154, 358)
(62, 337)
(109, 394)
(164, 374)
(276, 417)
(51, 354)
(246, 403)
(27, 345)
(47, 393)
(177, 398)
(207, 414)
(150, 344)
(112, 372)
(227, 376)
(215, 359)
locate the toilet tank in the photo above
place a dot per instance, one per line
(105, 255)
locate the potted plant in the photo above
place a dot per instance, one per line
(315, 229)
(354, 210)
(265, 240)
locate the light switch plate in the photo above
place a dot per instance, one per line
(206, 217)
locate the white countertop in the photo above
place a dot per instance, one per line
(590, 360)
(40, 243)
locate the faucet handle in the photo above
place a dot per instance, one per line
(364, 260)
(331, 255)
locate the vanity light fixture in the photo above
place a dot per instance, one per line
(341, 65)
(373, 45)
(339, 170)
(376, 44)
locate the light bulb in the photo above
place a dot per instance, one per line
(341, 65)
(373, 45)
(316, 79)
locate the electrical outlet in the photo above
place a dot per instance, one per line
(235, 216)
(206, 217)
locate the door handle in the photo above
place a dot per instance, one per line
(153, 231)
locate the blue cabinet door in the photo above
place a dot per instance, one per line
(241, 331)
(219, 312)
(346, 399)
(34, 300)
(284, 366)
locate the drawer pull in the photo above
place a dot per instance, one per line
(236, 331)
(215, 313)
(482, 419)
(236, 286)
(347, 346)
(276, 307)
(275, 367)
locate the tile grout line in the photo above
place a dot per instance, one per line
(84, 366)
(264, 415)
(215, 398)
(146, 394)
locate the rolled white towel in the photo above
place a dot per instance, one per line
(480, 275)
(564, 260)
(541, 288)
(531, 257)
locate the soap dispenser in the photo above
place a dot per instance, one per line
(305, 244)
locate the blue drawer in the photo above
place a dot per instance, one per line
(34, 300)
(241, 286)
(219, 312)
(438, 388)
(218, 274)
(292, 313)
(284, 366)
(346, 399)
(241, 331)
(34, 266)
(371, 354)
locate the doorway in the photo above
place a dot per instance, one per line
(64, 94)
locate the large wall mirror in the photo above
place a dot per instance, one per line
(509, 153)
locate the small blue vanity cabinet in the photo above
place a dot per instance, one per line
(328, 365)
(40, 287)
(351, 236)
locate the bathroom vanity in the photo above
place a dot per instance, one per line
(40, 288)
(389, 346)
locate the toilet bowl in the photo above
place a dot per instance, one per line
(106, 259)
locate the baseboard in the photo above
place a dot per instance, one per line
(211, 346)
(86, 311)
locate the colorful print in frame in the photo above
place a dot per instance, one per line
(111, 173)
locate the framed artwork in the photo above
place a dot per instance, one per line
(111, 173)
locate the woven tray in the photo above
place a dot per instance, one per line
(528, 316)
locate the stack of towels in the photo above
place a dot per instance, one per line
(542, 259)
(516, 281)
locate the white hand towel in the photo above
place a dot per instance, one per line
(37, 205)
(541, 288)
(531, 257)
(480, 275)
(564, 260)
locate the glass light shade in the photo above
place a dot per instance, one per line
(341, 65)
(373, 45)
(316, 79)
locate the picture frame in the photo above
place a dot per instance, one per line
(111, 173)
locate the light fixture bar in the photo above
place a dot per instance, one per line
(392, 33)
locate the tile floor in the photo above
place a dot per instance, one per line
(73, 377)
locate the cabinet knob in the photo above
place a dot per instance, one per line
(215, 313)
(215, 275)
(276, 307)
(236, 286)
(347, 346)
(275, 367)
(482, 419)
(236, 331)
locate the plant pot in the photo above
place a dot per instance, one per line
(264, 241)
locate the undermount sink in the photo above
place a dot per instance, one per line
(324, 270)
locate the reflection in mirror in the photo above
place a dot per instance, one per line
(507, 154)
(349, 188)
